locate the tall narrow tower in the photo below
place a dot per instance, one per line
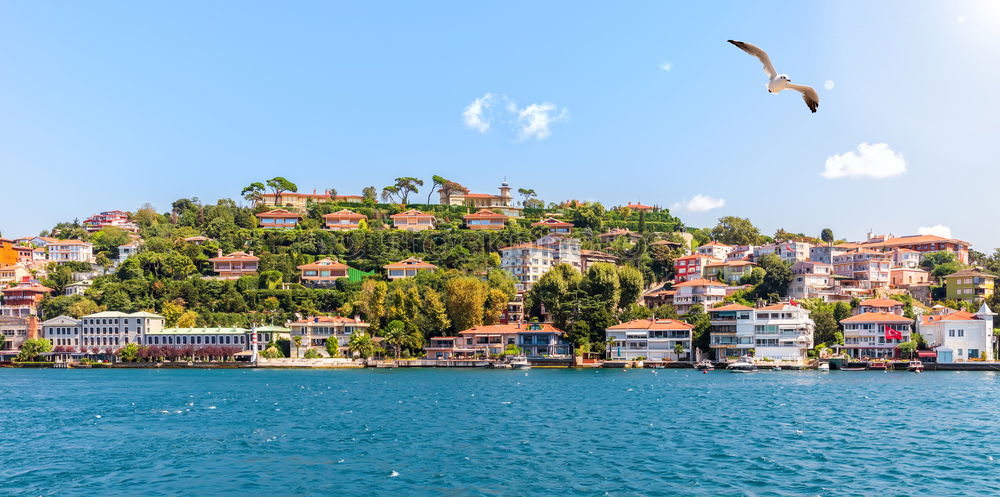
(505, 193)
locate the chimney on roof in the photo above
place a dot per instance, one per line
(32, 321)
(219, 253)
(251, 252)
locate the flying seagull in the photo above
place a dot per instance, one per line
(777, 82)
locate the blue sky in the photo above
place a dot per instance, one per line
(108, 105)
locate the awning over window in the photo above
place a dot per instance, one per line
(926, 353)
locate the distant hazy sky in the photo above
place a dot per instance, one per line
(108, 105)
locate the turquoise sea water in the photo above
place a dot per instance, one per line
(497, 432)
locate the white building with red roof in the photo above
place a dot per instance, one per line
(22, 300)
(778, 332)
(876, 335)
(705, 293)
(960, 336)
(110, 219)
(655, 340)
(536, 340)
(457, 194)
(300, 201)
(715, 250)
(234, 265)
(70, 251)
(413, 220)
(407, 268)
(920, 243)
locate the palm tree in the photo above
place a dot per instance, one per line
(397, 336)
(361, 343)
(610, 343)
(678, 349)
(297, 340)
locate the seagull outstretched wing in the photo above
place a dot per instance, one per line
(808, 94)
(760, 54)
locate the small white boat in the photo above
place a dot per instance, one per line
(824, 366)
(705, 365)
(776, 368)
(915, 367)
(743, 365)
(520, 362)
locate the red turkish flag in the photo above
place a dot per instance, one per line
(892, 333)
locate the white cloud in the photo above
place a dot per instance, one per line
(535, 119)
(870, 161)
(474, 114)
(666, 66)
(938, 229)
(699, 203)
(828, 84)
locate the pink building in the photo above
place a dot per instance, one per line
(234, 265)
(279, 218)
(413, 220)
(343, 220)
(485, 219)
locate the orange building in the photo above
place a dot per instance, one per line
(343, 220)
(413, 220)
(407, 268)
(22, 300)
(324, 272)
(234, 265)
(279, 218)
(485, 219)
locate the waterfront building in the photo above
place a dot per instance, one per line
(526, 262)
(234, 265)
(64, 332)
(444, 348)
(503, 203)
(413, 220)
(875, 334)
(960, 336)
(322, 273)
(107, 331)
(110, 219)
(22, 300)
(199, 337)
(969, 284)
(315, 331)
(15, 331)
(705, 293)
(343, 220)
(272, 333)
(279, 219)
(555, 226)
(536, 340)
(655, 340)
(407, 268)
(70, 251)
(778, 332)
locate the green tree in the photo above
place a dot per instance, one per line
(401, 190)
(678, 350)
(369, 195)
(826, 235)
(333, 347)
(512, 350)
(272, 352)
(733, 230)
(83, 307)
(777, 275)
(187, 319)
(436, 183)
(527, 194)
(361, 344)
(494, 305)
(279, 185)
(466, 300)
(32, 348)
(312, 354)
(399, 337)
(827, 327)
(253, 193)
(372, 301)
(907, 348)
(129, 353)
(297, 341)
(630, 285)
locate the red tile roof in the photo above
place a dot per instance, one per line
(411, 213)
(877, 317)
(731, 307)
(553, 223)
(329, 319)
(510, 328)
(235, 256)
(652, 324)
(699, 282)
(410, 263)
(344, 214)
(282, 213)
(881, 303)
(485, 214)
(323, 264)
(955, 316)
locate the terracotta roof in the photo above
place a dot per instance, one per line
(652, 324)
(280, 213)
(485, 214)
(323, 264)
(692, 256)
(970, 273)
(480, 195)
(598, 253)
(412, 213)
(197, 238)
(913, 240)
(525, 246)
(235, 256)
(552, 222)
(69, 242)
(731, 307)
(329, 319)
(881, 303)
(699, 282)
(344, 213)
(638, 206)
(781, 306)
(877, 317)
(510, 328)
(714, 243)
(30, 287)
(411, 263)
(955, 316)
(666, 242)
